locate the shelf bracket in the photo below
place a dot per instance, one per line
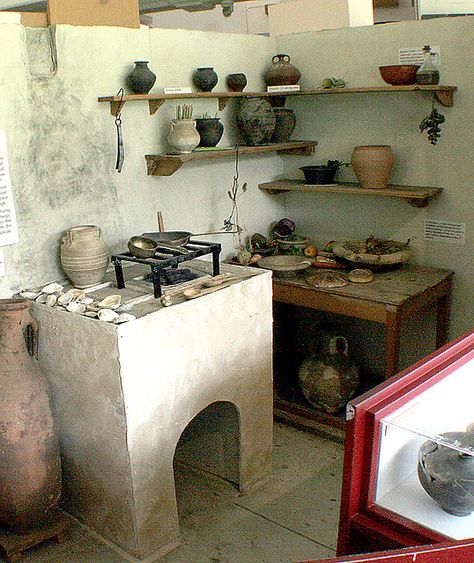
(116, 107)
(223, 102)
(163, 166)
(445, 97)
(299, 151)
(419, 203)
(155, 105)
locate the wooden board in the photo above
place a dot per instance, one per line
(444, 94)
(13, 545)
(167, 164)
(420, 195)
(392, 288)
(122, 13)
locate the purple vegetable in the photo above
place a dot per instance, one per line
(284, 228)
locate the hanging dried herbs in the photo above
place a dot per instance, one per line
(232, 223)
(431, 124)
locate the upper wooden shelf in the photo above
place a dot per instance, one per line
(167, 164)
(444, 95)
(418, 196)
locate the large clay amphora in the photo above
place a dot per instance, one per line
(30, 466)
(329, 379)
(84, 255)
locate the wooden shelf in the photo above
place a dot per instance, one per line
(167, 164)
(444, 95)
(418, 196)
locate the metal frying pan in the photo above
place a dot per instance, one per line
(178, 238)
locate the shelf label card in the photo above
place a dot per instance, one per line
(8, 225)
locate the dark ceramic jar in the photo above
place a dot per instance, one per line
(447, 474)
(210, 130)
(141, 80)
(284, 126)
(281, 72)
(205, 79)
(255, 120)
(30, 465)
(236, 82)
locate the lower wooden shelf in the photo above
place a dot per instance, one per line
(418, 196)
(167, 164)
(309, 418)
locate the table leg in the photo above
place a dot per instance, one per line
(392, 343)
(443, 308)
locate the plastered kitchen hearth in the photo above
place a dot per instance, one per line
(125, 394)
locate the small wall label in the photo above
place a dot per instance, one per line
(444, 231)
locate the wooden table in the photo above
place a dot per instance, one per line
(389, 299)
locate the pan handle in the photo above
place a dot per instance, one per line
(214, 233)
(177, 249)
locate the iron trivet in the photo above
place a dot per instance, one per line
(167, 258)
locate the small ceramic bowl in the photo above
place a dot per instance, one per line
(284, 264)
(399, 75)
(142, 247)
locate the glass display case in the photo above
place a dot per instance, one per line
(409, 456)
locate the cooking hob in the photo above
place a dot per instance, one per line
(168, 258)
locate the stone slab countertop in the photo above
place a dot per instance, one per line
(138, 293)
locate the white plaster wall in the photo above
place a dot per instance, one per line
(310, 15)
(62, 141)
(341, 122)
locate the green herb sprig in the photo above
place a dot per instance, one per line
(431, 123)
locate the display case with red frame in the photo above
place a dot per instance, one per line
(383, 504)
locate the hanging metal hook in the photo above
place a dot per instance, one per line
(118, 125)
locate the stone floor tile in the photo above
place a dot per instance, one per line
(311, 508)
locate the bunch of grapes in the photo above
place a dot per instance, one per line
(432, 123)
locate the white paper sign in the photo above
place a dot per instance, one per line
(3, 270)
(8, 226)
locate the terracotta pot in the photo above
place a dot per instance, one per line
(284, 126)
(30, 466)
(373, 165)
(183, 135)
(84, 255)
(256, 121)
(205, 79)
(329, 379)
(281, 72)
(236, 82)
(141, 79)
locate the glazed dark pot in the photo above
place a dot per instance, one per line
(318, 174)
(284, 126)
(281, 72)
(141, 80)
(447, 475)
(236, 82)
(30, 466)
(205, 79)
(256, 121)
(210, 130)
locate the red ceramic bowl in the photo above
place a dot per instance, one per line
(399, 75)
